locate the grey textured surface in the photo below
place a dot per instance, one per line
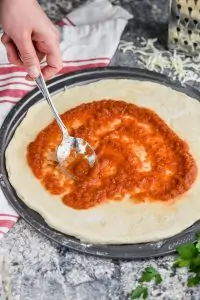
(37, 269)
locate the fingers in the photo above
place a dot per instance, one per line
(40, 55)
(11, 50)
(25, 52)
(54, 64)
(53, 58)
(29, 56)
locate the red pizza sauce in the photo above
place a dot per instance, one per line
(138, 155)
(77, 165)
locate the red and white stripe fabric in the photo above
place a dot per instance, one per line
(90, 36)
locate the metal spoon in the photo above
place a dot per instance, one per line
(69, 143)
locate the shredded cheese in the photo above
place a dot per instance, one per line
(176, 66)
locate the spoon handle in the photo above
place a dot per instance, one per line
(43, 88)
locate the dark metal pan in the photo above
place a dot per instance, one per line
(56, 85)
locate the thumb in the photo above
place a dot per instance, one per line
(29, 58)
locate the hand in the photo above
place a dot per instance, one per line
(28, 31)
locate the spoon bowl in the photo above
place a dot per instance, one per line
(73, 147)
(70, 147)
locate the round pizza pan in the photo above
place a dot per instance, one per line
(13, 120)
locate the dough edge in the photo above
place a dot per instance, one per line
(111, 222)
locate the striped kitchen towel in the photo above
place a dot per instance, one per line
(90, 36)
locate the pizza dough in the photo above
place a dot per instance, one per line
(112, 222)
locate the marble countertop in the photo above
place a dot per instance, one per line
(38, 269)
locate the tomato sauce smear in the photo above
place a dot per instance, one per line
(138, 155)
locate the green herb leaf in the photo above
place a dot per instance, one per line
(198, 241)
(198, 236)
(149, 274)
(140, 291)
(198, 246)
(195, 265)
(158, 278)
(187, 251)
(192, 281)
(180, 263)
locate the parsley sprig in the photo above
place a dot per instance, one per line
(149, 274)
(188, 256)
(139, 291)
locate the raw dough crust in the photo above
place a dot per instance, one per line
(112, 222)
